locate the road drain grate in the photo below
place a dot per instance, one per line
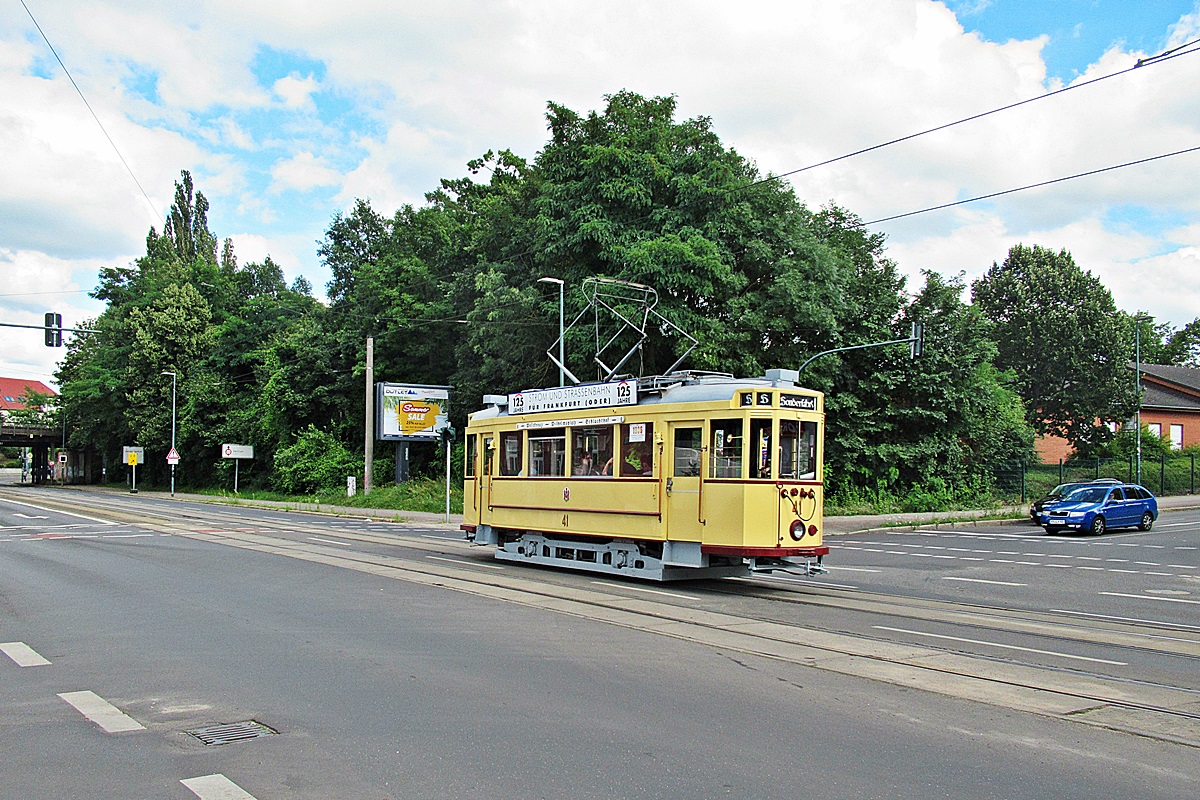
(231, 732)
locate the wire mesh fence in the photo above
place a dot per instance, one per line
(1162, 475)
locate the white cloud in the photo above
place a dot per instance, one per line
(296, 93)
(787, 83)
(302, 172)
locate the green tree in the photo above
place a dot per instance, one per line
(1058, 331)
(214, 324)
(1163, 344)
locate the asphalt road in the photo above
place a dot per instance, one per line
(380, 685)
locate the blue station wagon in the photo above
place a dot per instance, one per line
(1096, 508)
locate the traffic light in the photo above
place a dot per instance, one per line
(448, 434)
(916, 340)
(53, 329)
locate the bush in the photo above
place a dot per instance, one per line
(315, 462)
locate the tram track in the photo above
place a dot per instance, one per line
(1165, 712)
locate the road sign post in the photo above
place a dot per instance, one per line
(237, 452)
(133, 456)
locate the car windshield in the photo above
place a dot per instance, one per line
(1064, 489)
(1089, 495)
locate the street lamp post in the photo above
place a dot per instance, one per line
(562, 374)
(172, 374)
(1137, 383)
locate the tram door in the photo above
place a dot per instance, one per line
(682, 468)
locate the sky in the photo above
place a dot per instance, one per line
(286, 112)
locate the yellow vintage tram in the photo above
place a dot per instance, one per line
(687, 475)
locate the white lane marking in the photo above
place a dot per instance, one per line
(216, 787)
(127, 535)
(101, 712)
(53, 511)
(855, 569)
(1128, 619)
(644, 589)
(1004, 646)
(28, 516)
(461, 561)
(328, 541)
(1175, 524)
(23, 654)
(1148, 597)
(444, 538)
(981, 580)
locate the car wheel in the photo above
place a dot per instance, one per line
(1098, 526)
(1147, 522)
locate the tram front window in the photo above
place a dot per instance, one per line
(797, 450)
(548, 453)
(726, 440)
(760, 453)
(470, 462)
(592, 451)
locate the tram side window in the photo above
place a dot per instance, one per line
(727, 443)
(469, 467)
(548, 452)
(686, 450)
(592, 451)
(510, 453)
(637, 449)
(797, 449)
(760, 448)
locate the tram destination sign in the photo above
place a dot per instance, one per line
(800, 402)
(574, 398)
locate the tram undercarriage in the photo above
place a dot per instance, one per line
(656, 561)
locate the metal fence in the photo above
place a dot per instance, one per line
(1163, 475)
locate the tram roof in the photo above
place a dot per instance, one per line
(682, 387)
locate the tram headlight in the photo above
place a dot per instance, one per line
(797, 530)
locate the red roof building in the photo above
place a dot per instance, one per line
(1170, 408)
(11, 390)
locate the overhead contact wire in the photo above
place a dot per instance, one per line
(1032, 186)
(1141, 62)
(158, 216)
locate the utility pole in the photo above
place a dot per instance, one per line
(369, 428)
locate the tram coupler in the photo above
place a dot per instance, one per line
(808, 567)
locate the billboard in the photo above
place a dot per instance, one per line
(412, 413)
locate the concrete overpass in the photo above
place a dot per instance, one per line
(42, 440)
